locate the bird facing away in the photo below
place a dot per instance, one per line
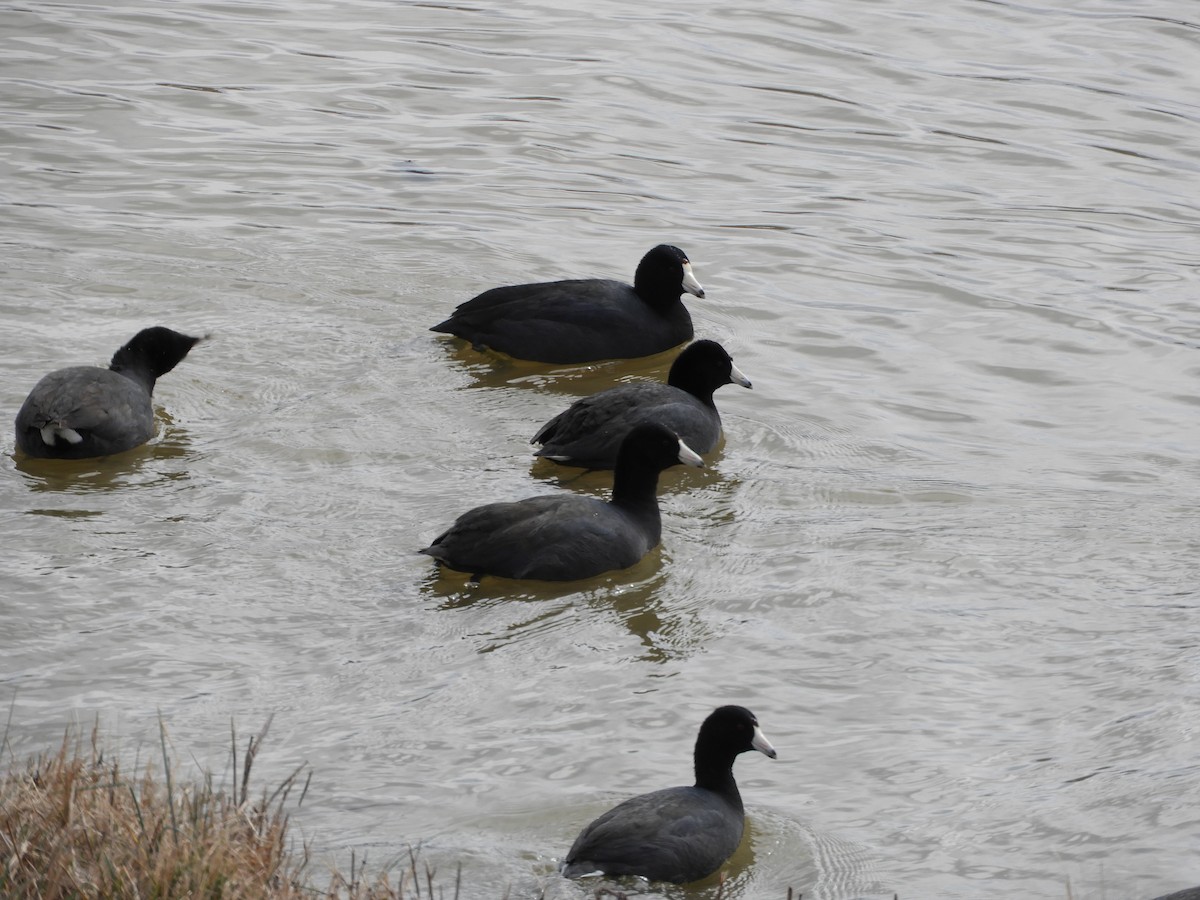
(584, 320)
(565, 536)
(590, 430)
(86, 411)
(678, 834)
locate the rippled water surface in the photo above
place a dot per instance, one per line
(947, 552)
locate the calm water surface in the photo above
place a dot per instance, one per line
(948, 551)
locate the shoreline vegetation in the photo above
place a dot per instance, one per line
(75, 823)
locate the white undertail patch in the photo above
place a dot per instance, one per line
(50, 434)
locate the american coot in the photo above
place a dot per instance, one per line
(679, 834)
(1186, 894)
(587, 319)
(561, 537)
(87, 411)
(589, 432)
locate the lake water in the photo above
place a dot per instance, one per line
(948, 552)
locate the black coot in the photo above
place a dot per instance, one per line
(585, 319)
(589, 432)
(85, 411)
(561, 537)
(678, 834)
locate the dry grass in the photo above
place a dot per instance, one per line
(73, 824)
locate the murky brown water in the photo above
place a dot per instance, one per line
(948, 552)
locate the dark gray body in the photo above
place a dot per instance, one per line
(678, 835)
(589, 432)
(582, 320)
(110, 412)
(562, 537)
(559, 537)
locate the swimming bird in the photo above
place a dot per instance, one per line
(583, 320)
(86, 411)
(678, 834)
(564, 536)
(590, 430)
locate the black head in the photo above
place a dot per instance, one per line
(653, 446)
(703, 367)
(154, 351)
(730, 730)
(663, 274)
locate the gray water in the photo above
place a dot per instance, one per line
(947, 552)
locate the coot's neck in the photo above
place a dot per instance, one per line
(635, 484)
(140, 373)
(698, 387)
(714, 772)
